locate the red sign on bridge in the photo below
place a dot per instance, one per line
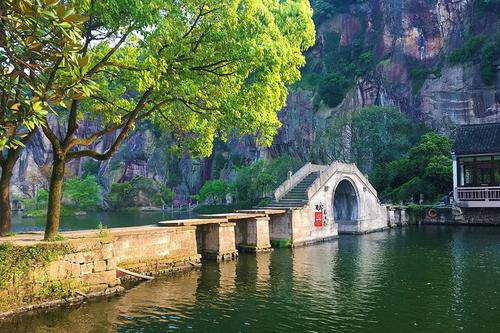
(318, 219)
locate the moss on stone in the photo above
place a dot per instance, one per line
(18, 267)
(281, 243)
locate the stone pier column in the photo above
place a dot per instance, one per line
(252, 235)
(403, 217)
(217, 241)
(391, 218)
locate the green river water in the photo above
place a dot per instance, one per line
(417, 279)
(93, 219)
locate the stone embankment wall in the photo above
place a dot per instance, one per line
(466, 216)
(36, 273)
(297, 227)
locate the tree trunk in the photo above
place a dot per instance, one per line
(55, 196)
(5, 209)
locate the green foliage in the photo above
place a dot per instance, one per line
(479, 49)
(368, 137)
(207, 69)
(332, 75)
(197, 69)
(57, 238)
(333, 89)
(167, 195)
(58, 289)
(36, 206)
(19, 263)
(46, 35)
(103, 231)
(419, 72)
(416, 213)
(82, 193)
(260, 179)
(90, 168)
(344, 64)
(121, 195)
(324, 9)
(426, 169)
(214, 191)
(139, 192)
(485, 7)
(469, 51)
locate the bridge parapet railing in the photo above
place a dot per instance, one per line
(322, 179)
(296, 178)
(342, 167)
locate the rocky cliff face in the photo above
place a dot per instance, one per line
(408, 41)
(411, 40)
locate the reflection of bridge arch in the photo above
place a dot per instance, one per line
(345, 202)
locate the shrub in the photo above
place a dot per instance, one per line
(214, 191)
(82, 193)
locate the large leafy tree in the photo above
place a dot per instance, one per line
(82, 193)
(369, 137)
(198, 68)
(426, 169)
(38, 40)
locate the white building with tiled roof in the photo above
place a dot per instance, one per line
(476, 166)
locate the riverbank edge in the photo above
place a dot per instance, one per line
(79, 299)
(59, 302)
(87, 266)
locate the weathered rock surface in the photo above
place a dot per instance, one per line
(399, 30)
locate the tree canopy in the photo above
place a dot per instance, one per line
(370, 137)
(37, 39)
(199, 69)
(202, 68)
(426, 169)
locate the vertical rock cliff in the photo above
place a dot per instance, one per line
(372, 52)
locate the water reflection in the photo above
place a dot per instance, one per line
(406, 280)
(93, 219)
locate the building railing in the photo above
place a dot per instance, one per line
(478, 194)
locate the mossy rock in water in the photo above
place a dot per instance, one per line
(281, 243)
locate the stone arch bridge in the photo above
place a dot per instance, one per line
(324, 200)
(315, 204)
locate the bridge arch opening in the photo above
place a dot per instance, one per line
(345, 203)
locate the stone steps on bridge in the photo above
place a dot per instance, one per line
(297, 196)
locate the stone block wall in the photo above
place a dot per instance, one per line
(280, 228)
(305, 232)
(468, 216)
(86, 265)
(155, 249)
(487, 216)
(91, 264)
(54, 271)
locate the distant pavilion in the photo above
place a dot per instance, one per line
(476, 166)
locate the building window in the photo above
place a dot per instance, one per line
(496, 172)
(484, 169)
(466, 171)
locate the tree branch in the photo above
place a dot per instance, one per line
(121, 137)
(108, 55)
(54, 140)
